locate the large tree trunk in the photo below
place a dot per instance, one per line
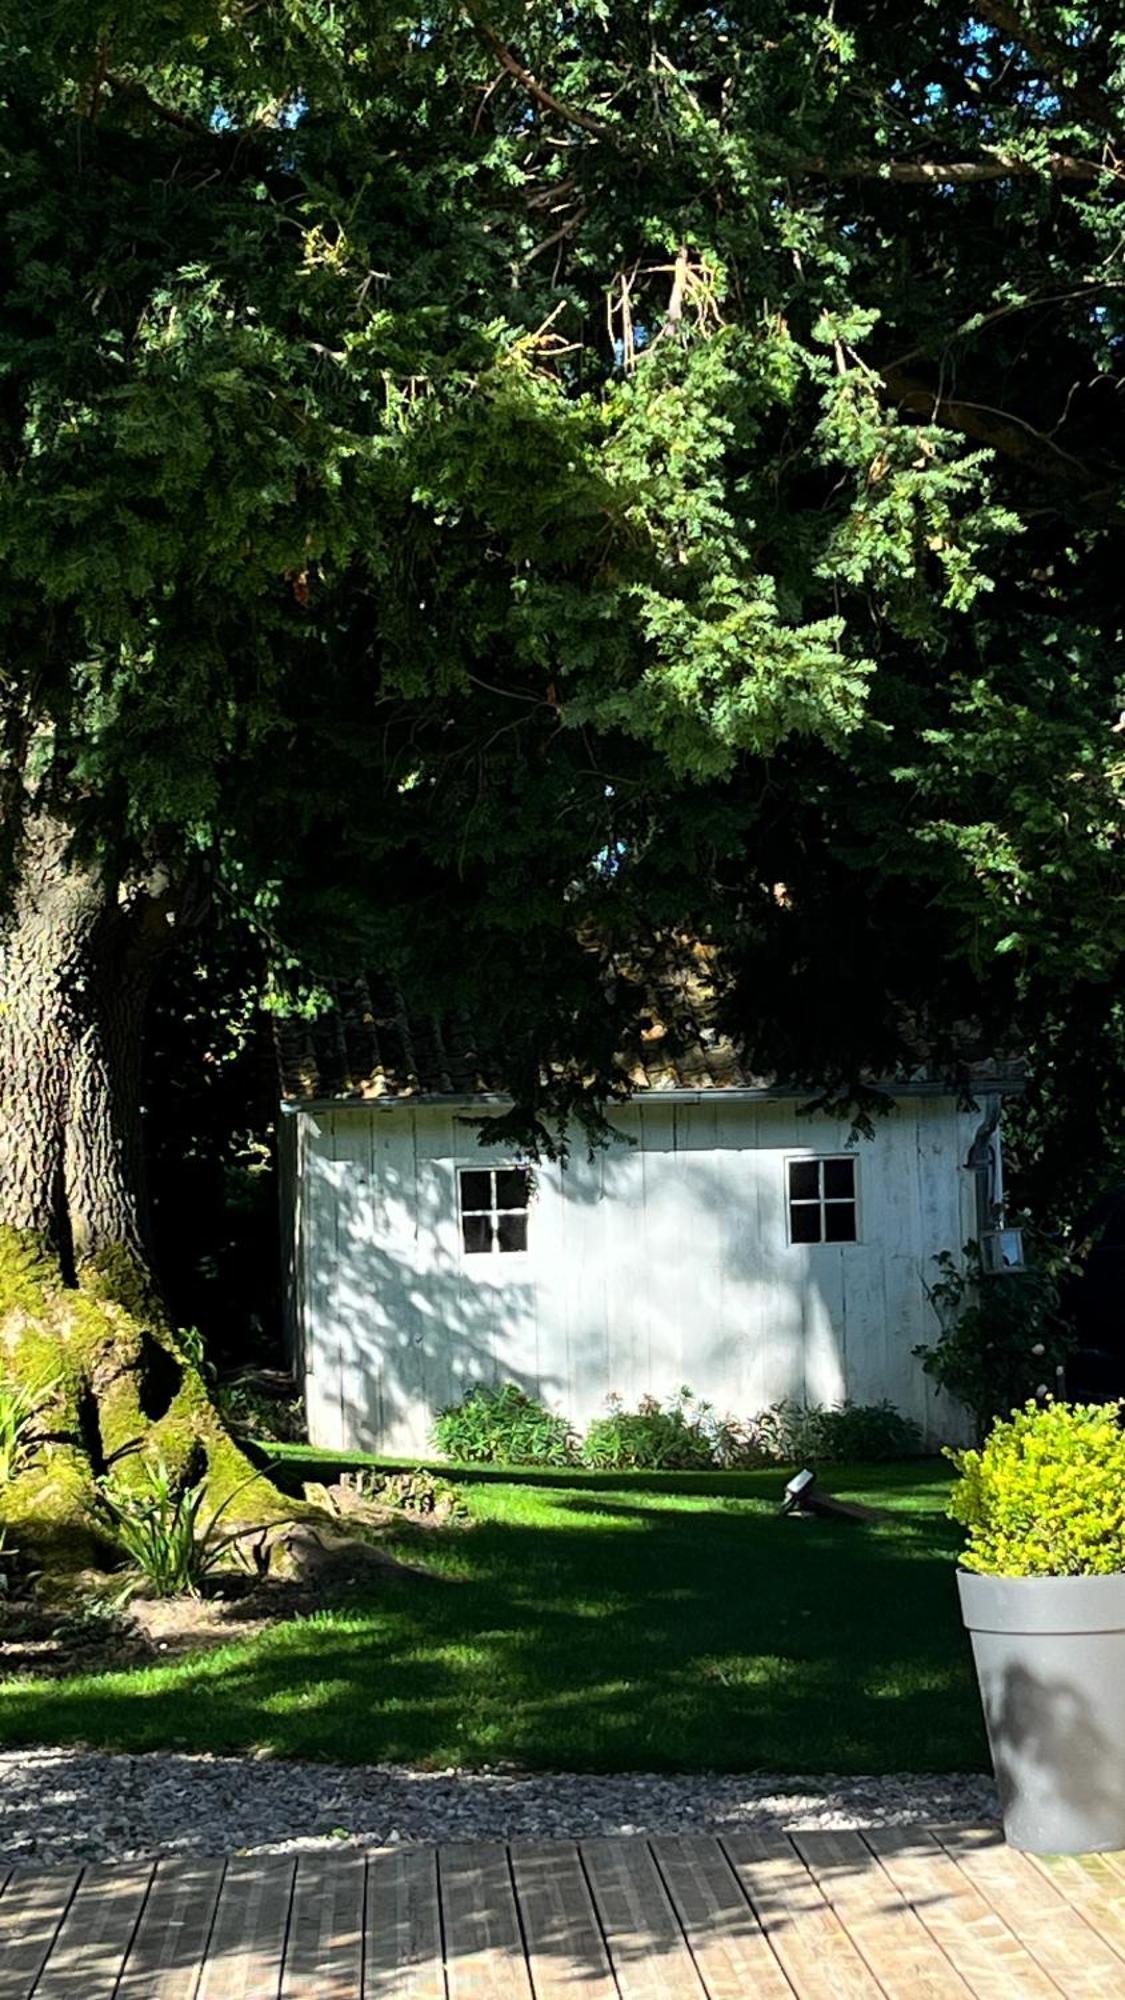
(54, 914)
(79, 1306)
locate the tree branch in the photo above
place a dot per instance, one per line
(1005, 433)
(1089, 100)
(133, 92)
(953, 173)
(570, 113)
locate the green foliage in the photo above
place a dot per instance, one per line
(1045, 1494)
(21, 1407)
(253, 1412)
(1002, 1336)
(680, 1436)
(794, 1433)
(502, 1426)
(157, 1520)
(416, 1492)
(307, 315)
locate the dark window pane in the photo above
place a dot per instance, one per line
(804, 1181)
(839, 1179)
(839, 1222)
(476, 1231)
(512, 1187)
(804, 1223)
(476, 1189)
(512, 1232)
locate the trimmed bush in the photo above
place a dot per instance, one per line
(1045, 1494)
(503, 1426)
(853, 1433)
(677, 1437)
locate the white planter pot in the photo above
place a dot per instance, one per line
(1050, 1659)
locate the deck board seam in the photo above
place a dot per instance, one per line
(63, 1914)
(981, 1889)
(830, 1906)
(206, 1950)
(749, 1902)
(136, 1927)
(971, 1980)
(521, 1926)
(443, 1930)
(289, 1908)
(680, 1924)
(759, 1916)
(1115, 1945)
(910, 1904)
(363, 1922)
(601, 1929)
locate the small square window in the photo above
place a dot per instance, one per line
(511, 1232)
(822, 1200)
(839, 1180)
(512, 1187)
(839, 1222)
(476, 1233)
(493, 1204)
(476, 1190)
(804, 1223)
(804, 1180)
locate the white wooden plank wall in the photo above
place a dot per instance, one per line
(661, 1262)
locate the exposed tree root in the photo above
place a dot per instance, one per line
(122, 1389)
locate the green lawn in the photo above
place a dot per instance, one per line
(628, 1624)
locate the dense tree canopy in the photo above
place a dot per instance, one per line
(492, 483)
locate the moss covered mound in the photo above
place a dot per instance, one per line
(119, 1387)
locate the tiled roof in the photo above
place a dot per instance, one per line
(369, 1045)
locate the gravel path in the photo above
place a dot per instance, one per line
(75, 1805)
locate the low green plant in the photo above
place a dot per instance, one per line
(1002, 1335)
(843, 1433)
(1045, 1494)
(20, 1410)
(417, 1492)
(678, 1436)
(252, 1412)
(503, 1426)
(157, 1520)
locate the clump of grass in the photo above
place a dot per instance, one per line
(158, 1523)
(20, 1410)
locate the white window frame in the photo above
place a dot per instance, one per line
(822, 1202)
(490, 1259)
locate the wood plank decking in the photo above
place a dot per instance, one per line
(889, 1915)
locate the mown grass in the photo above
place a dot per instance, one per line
(634, 1624)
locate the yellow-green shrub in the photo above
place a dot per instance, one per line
(1045, 1494)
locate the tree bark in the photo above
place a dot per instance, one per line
(80, 955)
(54, 914)
(81, 1322)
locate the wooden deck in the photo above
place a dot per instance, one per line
(911, 1915)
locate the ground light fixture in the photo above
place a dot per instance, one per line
(797, 1491)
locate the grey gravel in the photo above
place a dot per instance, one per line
(77, 1805)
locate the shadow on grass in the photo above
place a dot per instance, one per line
(586, 1634)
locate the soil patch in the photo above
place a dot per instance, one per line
(327, 1571)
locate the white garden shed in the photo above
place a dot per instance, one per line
(724, 1239)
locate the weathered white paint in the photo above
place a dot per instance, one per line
(663, 1261)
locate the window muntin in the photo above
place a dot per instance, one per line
(822, 1200)
(493, 1204)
